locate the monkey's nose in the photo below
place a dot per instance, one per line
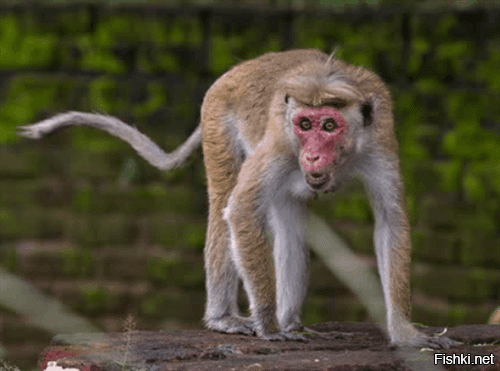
(312, 158)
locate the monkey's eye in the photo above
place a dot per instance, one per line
(330, 125)
(305, 124)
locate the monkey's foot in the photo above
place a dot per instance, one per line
(421, 340)
(283, 336)
(232, 325)
(329, 334)
(299, 327)
(294, 326)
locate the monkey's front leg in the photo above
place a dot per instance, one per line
(245, 215)
(393, 248)
(287, 219)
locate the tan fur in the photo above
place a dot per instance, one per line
(256, 182)
(495, 317)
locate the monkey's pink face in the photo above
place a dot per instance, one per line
(321, 132)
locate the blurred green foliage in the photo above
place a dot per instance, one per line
(24, 44)
(446, 92)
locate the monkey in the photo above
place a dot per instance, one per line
(495, 317)
(275, 131)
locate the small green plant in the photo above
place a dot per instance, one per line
(129, 327)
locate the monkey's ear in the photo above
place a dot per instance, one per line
(367, 111)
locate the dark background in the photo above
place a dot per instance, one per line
(86, 221)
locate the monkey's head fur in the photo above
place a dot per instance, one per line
(328, 118)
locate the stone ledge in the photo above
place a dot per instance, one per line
(358, 346)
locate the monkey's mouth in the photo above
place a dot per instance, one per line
(320, 181)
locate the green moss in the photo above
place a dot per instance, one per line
(113, 229)
(82, 198)
(360, 237)
(95, 300)
(162, 269)
(354, 207)
(21, 222)
(194, 236)
(156, 99)
(77, 262)
(21, 48)
(474, 187)
(450, 173)
(9, 258)
(162, 305)
(457, 314)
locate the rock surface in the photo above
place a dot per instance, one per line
(338, 346)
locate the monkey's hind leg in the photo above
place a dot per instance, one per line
(222, 281)
(222, 313)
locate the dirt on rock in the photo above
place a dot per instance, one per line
(335, 346)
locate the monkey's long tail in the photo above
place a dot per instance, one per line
(144, 146)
